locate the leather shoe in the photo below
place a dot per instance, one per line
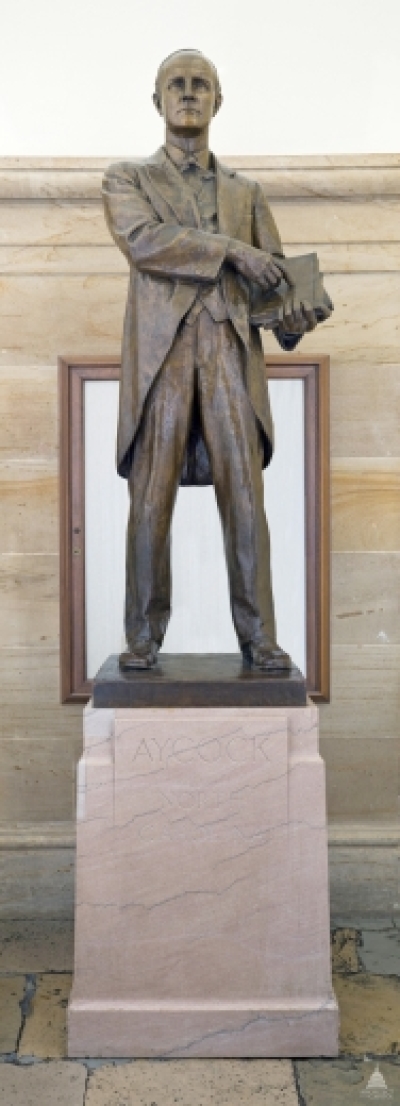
(142, 655)
(267, 655)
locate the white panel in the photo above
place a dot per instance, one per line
(106, 510)
(284, 497)
(201, 620)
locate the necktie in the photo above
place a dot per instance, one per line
(190, 163)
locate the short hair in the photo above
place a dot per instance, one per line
(176, 54)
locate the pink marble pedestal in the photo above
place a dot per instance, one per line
(202, 920)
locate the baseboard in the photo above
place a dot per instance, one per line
(61, 835)
(371, 835)
(37, 869)
(37, 835)
(364, 870)
(209, 1029)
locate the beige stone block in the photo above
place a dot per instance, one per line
(300, 222)
(369, 1014)
(31, 678)
(30, 163)
(366, 598)
(50, 224)
(345, 1082)
(350, 257)
(37, 883)
(11, 994)
(365, 410)
(29, 504)
(365, 504)
(339, 222)
(30, 694)
(34, 945)
(38, 779)
(43, 182)
(42, 317)
(43, 1085)
(345, 943)
(44, 1033)
(29, 601)
(30, 683)
(84, 316)
(61, 260)
(194, 1083)
(365, 696)
(32, 392)
(316, 183)
(358, 327)
(362, 777)
(334, 257)
(48, 720)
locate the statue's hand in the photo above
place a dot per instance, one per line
(298, 317)
(255, 265)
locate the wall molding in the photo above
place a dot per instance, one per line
(61, 835)
(307, 178)
(363, 835)
(37, 835)
(37, 870)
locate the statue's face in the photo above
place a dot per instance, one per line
(188, 94)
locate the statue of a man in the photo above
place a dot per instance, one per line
(194, 402)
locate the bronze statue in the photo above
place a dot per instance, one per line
(206, 271)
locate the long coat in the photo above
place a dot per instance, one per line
(153, 217)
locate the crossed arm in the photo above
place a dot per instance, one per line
(187, 253)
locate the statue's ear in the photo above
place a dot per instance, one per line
(218, 102)
(157, 102)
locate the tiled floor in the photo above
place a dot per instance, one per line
(35, 979)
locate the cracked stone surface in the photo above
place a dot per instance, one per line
(36, 945)
(345, 943)
(194, 1083)
(370, 1025)
(11, 994)
(369, 1014)
(45, 1031)
(54, 1084)
(380, 951)
(342, 1082)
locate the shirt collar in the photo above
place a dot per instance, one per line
(201, 159)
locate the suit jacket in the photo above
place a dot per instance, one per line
(153, 217)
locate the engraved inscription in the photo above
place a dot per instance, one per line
(238, 748)
(206, 785)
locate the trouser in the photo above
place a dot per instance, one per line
(204, 367)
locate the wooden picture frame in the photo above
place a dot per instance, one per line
(314, 372)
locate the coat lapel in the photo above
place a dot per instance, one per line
(234, 204)
(166, 183)
(169, 184)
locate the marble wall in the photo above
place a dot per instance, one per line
(62, 291)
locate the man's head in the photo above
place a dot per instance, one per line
(187, 91)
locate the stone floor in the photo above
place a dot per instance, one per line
(35, 979)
